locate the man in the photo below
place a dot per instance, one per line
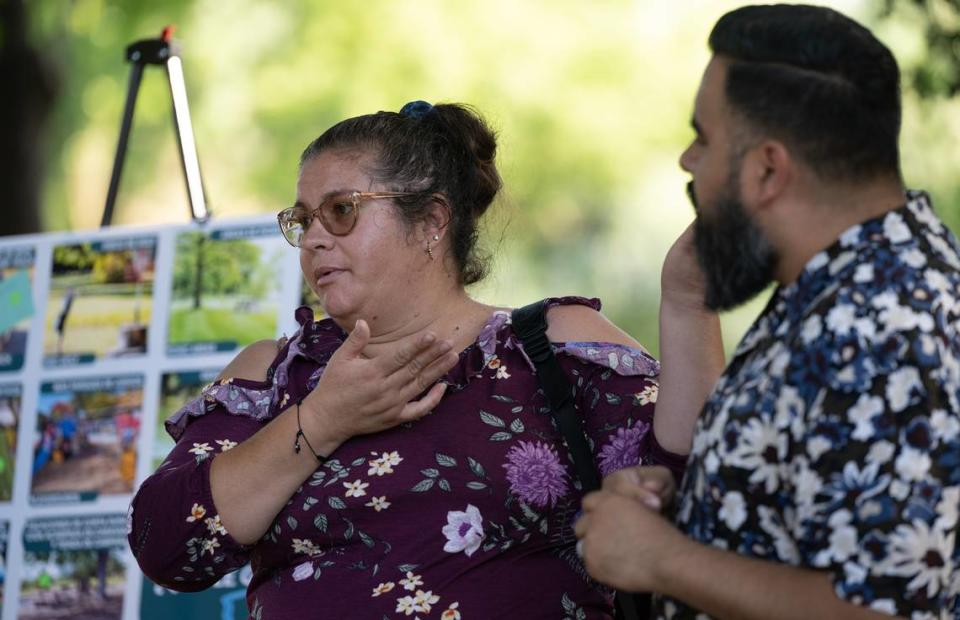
(824, 479)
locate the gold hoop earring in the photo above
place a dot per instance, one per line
(429, 251)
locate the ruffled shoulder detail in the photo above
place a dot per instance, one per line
(260, 400)
(492, 336)
(237, 396)
(622, 359)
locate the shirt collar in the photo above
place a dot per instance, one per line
(826, 269)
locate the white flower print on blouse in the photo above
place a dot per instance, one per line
(647, 395)
(209, 545)
(306, 546)
(378, 503)
(451, 613)
(226, 444)
(384, 464)
(494, 363)
(424, 601)
(411, 582)
(201, 449)
(214, 525)
(406, 605)
(383, 588)
(464, 530)
(356, 488)
(196, 513)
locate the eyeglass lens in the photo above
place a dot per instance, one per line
(338, 214)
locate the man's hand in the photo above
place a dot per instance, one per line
(623, 542)
(652, 486)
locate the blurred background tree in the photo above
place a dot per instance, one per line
(592, 102)
(224, 267)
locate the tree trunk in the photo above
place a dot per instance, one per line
(198, 284)
(29, 92)
(102, 556)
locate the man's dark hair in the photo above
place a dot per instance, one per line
(818, 81)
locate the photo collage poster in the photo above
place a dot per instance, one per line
(16, 304)
(99, 300)
(104, 335)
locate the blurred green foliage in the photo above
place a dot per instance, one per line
(939, 72)
(72, 258)
(109, 268)
(592, 102)
(228, 267)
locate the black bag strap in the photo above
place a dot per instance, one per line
(530, 325)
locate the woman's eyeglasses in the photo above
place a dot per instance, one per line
(338, 215)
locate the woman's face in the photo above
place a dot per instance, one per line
(370, 272)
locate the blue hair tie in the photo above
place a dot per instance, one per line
(416, 109)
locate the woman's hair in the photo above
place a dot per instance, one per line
(444, 149)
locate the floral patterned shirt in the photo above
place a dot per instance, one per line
(832, 440)
(465, 513)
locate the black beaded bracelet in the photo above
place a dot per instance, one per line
(296, 441)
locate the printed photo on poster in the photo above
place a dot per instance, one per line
(225, 599)
(309, 298)
(226, 289)
(10, 399)
(176, 389)
(73, 567)
(100, 300)
(16, 304)
(86, 440)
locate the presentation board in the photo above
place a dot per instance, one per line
(103, 335)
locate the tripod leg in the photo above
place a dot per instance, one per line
(136, 72)
(188, 149)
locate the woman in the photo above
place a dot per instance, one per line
(315, 458)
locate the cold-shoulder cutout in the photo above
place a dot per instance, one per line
(253, 362)
(579, 323)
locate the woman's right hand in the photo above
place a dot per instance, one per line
(358, 394)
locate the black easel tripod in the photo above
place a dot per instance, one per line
(160, 51)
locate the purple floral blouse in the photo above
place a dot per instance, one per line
(466, 513)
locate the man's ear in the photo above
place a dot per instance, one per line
(434, 225)
(766, 173)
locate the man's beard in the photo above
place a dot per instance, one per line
(736, 259)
